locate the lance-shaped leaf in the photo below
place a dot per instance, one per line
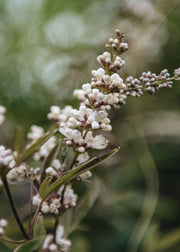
(32, 245)
(85, 204)
(43, 190)
(74, 173)
(39, 229)
(7, 244)
(35, 146)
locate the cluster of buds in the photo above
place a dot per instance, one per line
(117, 46)
(57, 243)
(2, 112)
(63, 199)
(177, 74)
(105, 91)
(3, 224)
(152, 82)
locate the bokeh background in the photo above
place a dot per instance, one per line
(47, 49)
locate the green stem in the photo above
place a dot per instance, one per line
(13, 207)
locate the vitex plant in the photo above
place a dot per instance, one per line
(63, 151)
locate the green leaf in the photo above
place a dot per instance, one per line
(69, 157)
(91, 164)
(85, 204)
(32, 245)
(43, 190)
(39, 229)
(8, 244)
(19, 140)
(74, 173)
(35, 146)
(50, 158)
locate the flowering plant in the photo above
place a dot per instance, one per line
(64, 151)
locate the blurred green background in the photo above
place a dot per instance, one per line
(47, 49)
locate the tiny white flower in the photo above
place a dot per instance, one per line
(86, 175)
(50, 171)
(99, 142)
(3, 223)
(2, 112)
(53, 247)
(54, 113)
(86, 87)
(45, 209)
(95, 125)
(47, 241)
(56, 164)
(1, 231)
(59, 233)
(36, 200)
(81, 149)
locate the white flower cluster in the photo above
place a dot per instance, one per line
(17, 173)
(64, 198)
(7, 160)
(3, 224)
(103, 93)
(82, 118)
(177, 74)
(96, 98)
(57, 244)
(81, 141)
(2, 112)
(35, 133)
(77, 126)
(8, 165)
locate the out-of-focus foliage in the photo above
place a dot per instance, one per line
(47, 48)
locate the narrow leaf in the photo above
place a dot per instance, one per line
(32, 245)
(85, 204)
(74, 173)
(19, 140)
(96, 161)
(35, 146)
(69, 158)
(43, 190)
(8, 244)
(39, 229)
